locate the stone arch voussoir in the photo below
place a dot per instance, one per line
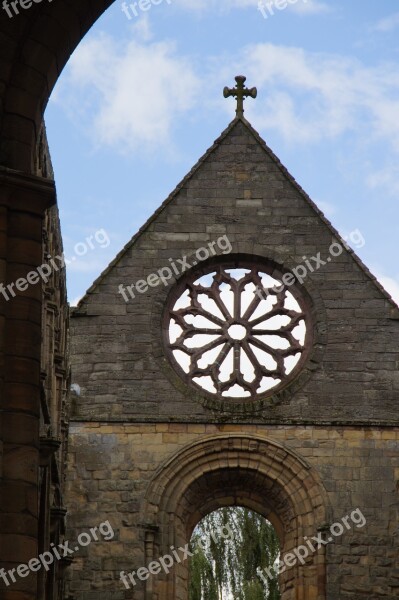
(256, 472)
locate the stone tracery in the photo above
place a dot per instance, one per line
(232, 341)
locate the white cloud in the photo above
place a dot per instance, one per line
(326, 207)
(387, 24)
(310, 96)
(302, 7)
(391, 285)
(386, 177)
(133, 94)
(142, 28)
(311, 7)
(75, 301)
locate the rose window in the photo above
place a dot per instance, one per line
(236, 332)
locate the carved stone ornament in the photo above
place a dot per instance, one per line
(237, 332)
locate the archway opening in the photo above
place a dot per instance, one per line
(230, 471)
(235, 553)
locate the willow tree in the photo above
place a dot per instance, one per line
(223, 568)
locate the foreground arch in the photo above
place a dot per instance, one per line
(254, 472)
(36, 45)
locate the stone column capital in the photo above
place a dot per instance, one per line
(24, 192)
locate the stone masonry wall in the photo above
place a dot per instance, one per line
(239, 190)
(134, 412)
(111, 466)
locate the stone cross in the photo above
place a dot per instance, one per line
(240, 92)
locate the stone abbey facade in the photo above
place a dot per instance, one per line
(147, 451)
(295, 417)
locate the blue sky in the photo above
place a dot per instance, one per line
(141, 100)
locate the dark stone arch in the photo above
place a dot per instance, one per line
(36, 46)
(242, 470)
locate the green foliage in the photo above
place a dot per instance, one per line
(224, 567)
(203, 584)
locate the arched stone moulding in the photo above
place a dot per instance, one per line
(250, 471)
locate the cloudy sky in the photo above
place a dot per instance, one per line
(141, 100)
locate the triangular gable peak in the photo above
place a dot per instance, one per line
(238, 191)
(207, 155)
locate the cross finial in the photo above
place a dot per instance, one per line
(240, 92)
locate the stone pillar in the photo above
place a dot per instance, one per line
(23, 200)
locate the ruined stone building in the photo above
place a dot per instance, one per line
(152, 449)
(235, 352)
(34, 420)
